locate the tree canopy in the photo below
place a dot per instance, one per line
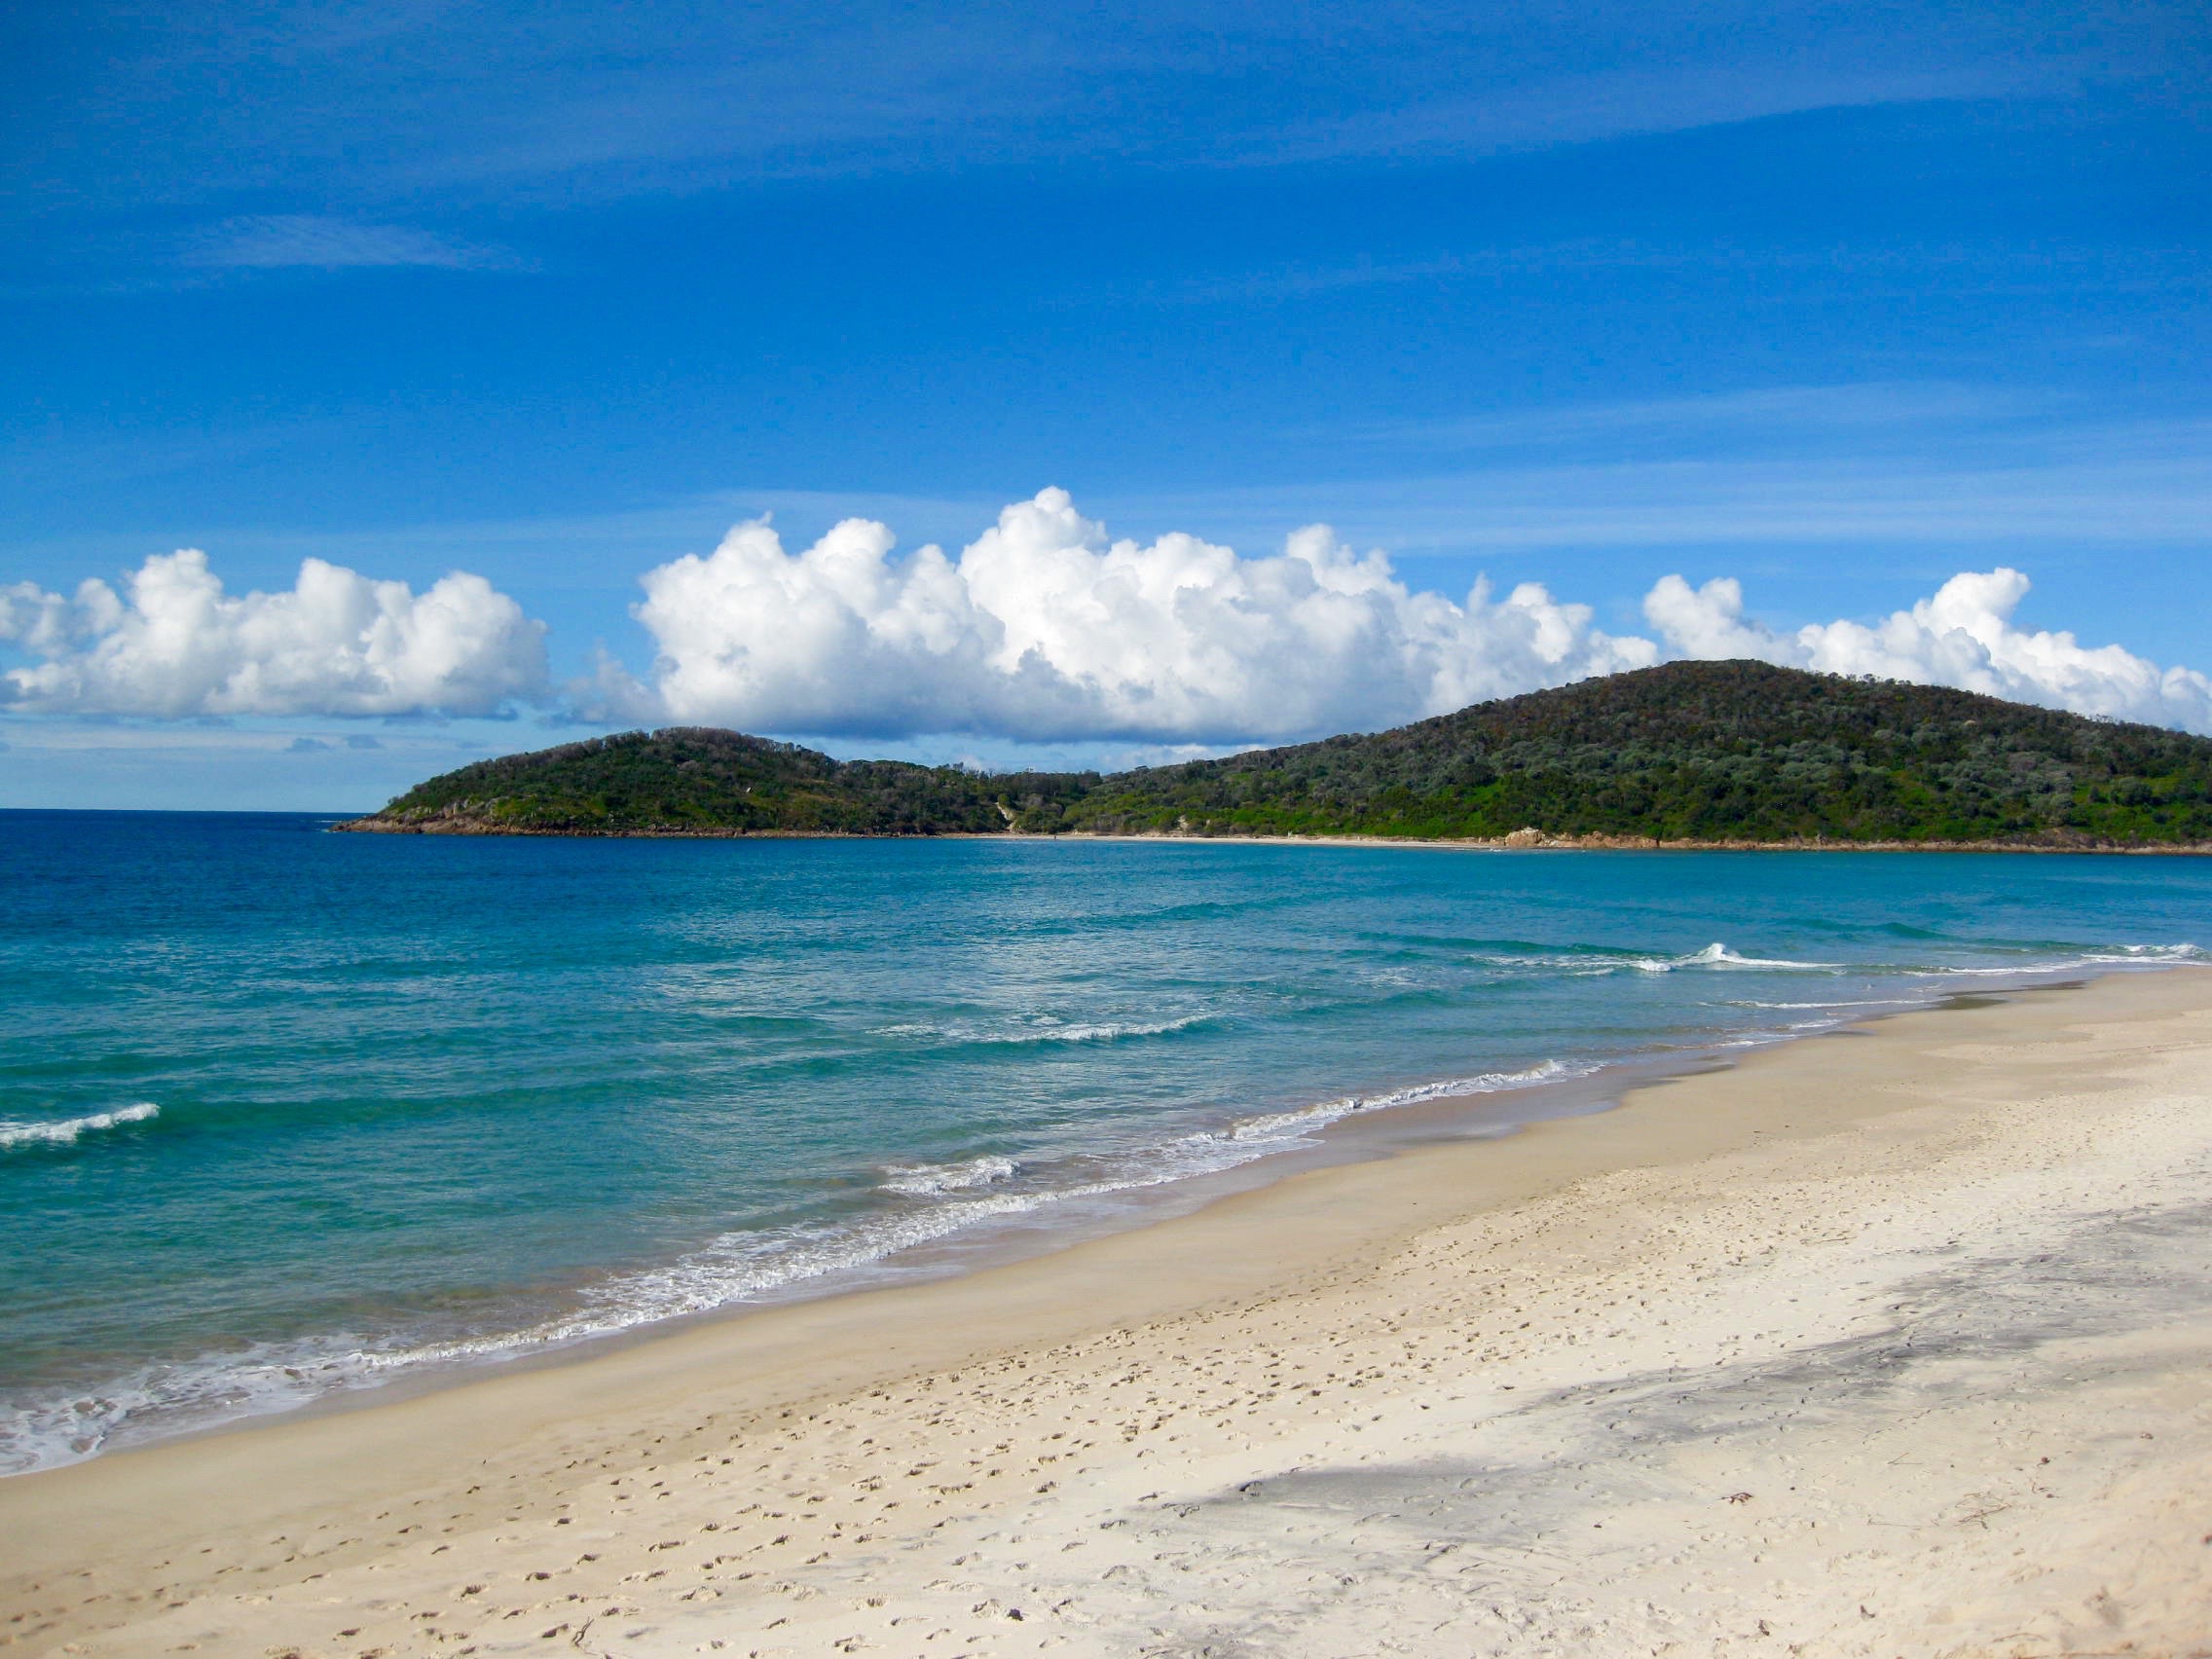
(1689, 751)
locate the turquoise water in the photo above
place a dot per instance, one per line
(283, 1112)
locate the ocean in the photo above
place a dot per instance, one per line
(285, 1114)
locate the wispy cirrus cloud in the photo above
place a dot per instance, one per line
(1927, 469)
(1853, 415)
(1303, 279)
(1630, 102)
(276, 242)
(1762, 507)
(392, 100)
(1908, 464)
(1962, 269)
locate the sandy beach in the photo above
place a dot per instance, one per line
(1890, 1341)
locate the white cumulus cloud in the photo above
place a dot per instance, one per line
(1044, 629)
(1962, 636)
(173, 643)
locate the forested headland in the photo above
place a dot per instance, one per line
(1685, 752)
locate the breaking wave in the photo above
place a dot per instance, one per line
(918, 1206)
(1590, 962)
(1309, 1118)
(738, 1266)
(69, 1130)
(1717, 955)
(968, 1032)
(927, 1180)
(2112, 956)
(1838, 1001)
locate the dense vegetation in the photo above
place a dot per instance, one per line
(1733, 751)
(704, 779)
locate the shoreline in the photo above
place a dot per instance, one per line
(1359, 1127)
(567, 1443)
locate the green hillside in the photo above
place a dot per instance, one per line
(1703, 751)
(703, 780)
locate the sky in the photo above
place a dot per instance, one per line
(393, 382)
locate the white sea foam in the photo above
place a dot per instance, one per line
(736, 1268)
(1570, 965)
(1717, 955)
(927, 1180)
(744, 1266)
(954, 1198)
(2112, 956)
(1306, 1118)
(951, 1198)
(1045, 1031)
(195, 1393)
(1720, 956)
(1588, 966)
(1838, 1001)
(69, 1130)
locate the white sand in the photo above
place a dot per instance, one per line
(1889, 1343)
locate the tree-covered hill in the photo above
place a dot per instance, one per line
(702, 780)
(1687, 751)
(1705, 750)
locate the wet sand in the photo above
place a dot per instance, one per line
(1890, 1341)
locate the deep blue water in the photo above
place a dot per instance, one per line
(283, 1111)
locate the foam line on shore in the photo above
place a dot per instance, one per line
(1838, 1340)
(960, 1201)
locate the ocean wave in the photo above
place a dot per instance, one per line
(923, 1205)
(967, 1032)
(67, 1132)
(1717, 955)
(1585, 962)
(1838, 1001)
(1306, 1118)
(1590, 962)
(744, 1266)
(1720, 956)
(202, 1392)
(738, 1266)
(2086, 956)
(1593, 961)
(927, 1180)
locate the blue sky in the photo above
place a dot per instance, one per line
(1833, 303)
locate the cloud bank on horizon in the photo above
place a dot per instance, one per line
(173, 645)
(1044, 629)
(1041, 630)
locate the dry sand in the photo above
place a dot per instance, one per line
(1889, 1343)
